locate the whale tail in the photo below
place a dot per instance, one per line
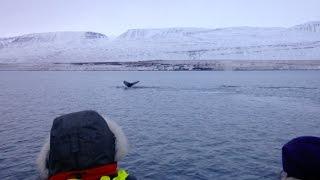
(129, 84)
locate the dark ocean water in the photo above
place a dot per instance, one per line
(180, 125)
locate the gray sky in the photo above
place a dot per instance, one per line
(113, 17)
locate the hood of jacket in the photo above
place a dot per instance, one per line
(79, 141)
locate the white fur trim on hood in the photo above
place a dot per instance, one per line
(121, 148)
(42, 159)
(121, 140)
(284, 176)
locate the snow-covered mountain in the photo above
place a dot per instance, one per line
(51, 47)
(56, 37)
(301, 42)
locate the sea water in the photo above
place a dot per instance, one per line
(180, 125)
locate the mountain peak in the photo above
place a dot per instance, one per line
(56, 36)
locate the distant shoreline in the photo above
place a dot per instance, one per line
(168, 65)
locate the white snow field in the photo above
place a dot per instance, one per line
(301, 42)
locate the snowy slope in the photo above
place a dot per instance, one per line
(301, 42)
(309, 27)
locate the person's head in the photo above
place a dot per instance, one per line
(301, 159)
(81, 140)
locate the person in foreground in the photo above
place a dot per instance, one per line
(301, 159)
(83, 145)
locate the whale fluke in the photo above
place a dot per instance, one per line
(129, 84)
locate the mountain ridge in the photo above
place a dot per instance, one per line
(247, 43)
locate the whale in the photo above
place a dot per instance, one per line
(129, 84)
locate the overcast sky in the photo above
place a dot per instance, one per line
(113, 17)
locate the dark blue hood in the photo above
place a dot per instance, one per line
(78, 141)
(301, 158)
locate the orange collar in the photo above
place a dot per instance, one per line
(88, 174)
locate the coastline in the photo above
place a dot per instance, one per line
(168, 65)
